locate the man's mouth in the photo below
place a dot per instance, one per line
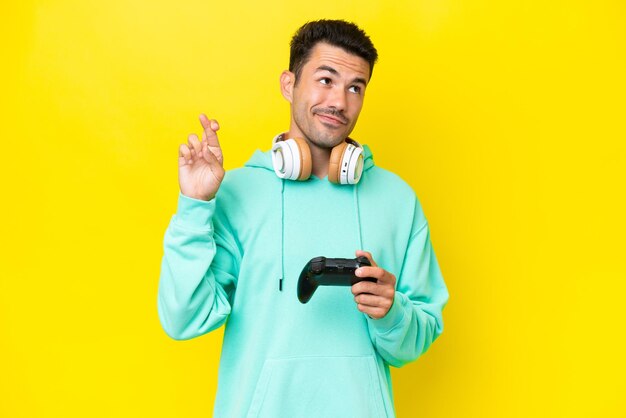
(331, 119)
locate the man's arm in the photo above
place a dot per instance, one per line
(406, 318)
(199, 267)
(198, 271)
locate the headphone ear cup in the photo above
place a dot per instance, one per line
(282, 160)
(334, 166)
(351, 164)
(306, 162)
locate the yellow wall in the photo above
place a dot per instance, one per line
(507, 118)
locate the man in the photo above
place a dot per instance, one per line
(238, 242)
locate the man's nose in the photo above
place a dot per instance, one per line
(337, 98)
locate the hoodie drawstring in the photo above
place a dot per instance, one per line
(282, 235)
(358, 215)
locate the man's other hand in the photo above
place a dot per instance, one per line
(374, 298)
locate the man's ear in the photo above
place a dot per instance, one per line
(287, 80)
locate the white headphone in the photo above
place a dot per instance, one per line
(291, 159)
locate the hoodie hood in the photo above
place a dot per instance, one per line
(263, 159)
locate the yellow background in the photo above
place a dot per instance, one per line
(507, 118)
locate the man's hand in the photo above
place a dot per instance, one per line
(200, 170)
(374, 299)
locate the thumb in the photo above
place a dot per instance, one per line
(361, 253)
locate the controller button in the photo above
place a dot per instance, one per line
(316, 267)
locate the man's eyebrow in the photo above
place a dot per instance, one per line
(360, 80)
(327, 68)
(331, 70)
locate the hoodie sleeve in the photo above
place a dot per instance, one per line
(198, 271)
(415, 318)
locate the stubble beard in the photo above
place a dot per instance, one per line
(316, 137)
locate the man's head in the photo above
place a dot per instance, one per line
(330, 66)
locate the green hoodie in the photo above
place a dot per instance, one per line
(236, 260)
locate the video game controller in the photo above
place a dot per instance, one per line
(329, 272)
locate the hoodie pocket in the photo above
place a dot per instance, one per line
(318, 387)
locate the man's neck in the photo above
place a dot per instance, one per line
(320, 160)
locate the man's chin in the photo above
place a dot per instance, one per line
(328, 143)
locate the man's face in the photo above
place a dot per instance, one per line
(327, 97)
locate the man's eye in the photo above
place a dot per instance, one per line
(325, 80)
(354, 89)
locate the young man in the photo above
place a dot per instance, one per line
(238, 242)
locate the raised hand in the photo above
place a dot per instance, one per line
(200, 163)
